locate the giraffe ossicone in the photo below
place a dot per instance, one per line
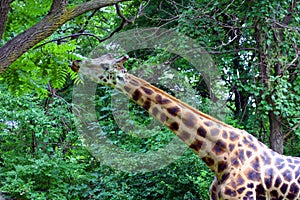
(244, 168)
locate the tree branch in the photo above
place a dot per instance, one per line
(124, 22)
(57, 16)
(124, 19)
(87, 20)
(291, 130)
(233, 50)
(69, 36)
(80, 33)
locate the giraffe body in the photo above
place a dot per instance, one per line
(244, 168)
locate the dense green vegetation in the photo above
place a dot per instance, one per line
(254, 45)
(43, 157)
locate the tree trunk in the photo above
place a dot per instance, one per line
(4, 8)
(276, 135)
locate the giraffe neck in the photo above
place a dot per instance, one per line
(199, 131)
(244, 167)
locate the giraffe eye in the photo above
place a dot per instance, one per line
(105, 67)
(120, 78)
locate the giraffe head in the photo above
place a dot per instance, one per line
(105, 70)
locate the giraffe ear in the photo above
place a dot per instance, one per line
(120, 62)
(122, 59)
(75, 66)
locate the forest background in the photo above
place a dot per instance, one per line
(255, 46)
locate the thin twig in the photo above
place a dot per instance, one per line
(88, 20)
(290, 131)
(232, 51)
(70, 36)
(124, 22)
(296, 57)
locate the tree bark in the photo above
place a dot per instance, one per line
(57, 16)
(4, 8)
(276, 135)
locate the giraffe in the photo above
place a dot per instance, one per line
(244, 168)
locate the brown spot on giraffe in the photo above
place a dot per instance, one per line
(184, 135)
(136, 95)
(225, 176)
(266, 158)
(231, 147)
(189, 119)
(277, 182)
(147, 90)
(269, 177)
(208, 123)
(255, 164)
(252, 146)
(294, 188)
(283, 188)
(196, 145)
(224, 135)
(274, 194)
(173, 110)
(201, 131)
(241, 190)
(222, 166)
(260, 192)
(154, 111)
(253, 175)
(127, 89)
(209, 161)
(233, 136)
(287, 174)
(163, 117)
(246, 141)
(174, 126)
(235, 162)
(147, 104)
(160, 100)
(230, 192)
(240, 180)
(249, 154)
(134, 82)
(219, 147)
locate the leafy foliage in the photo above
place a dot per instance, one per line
(239, 36)
(37, 68)
(42, 155)
(23, 15)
